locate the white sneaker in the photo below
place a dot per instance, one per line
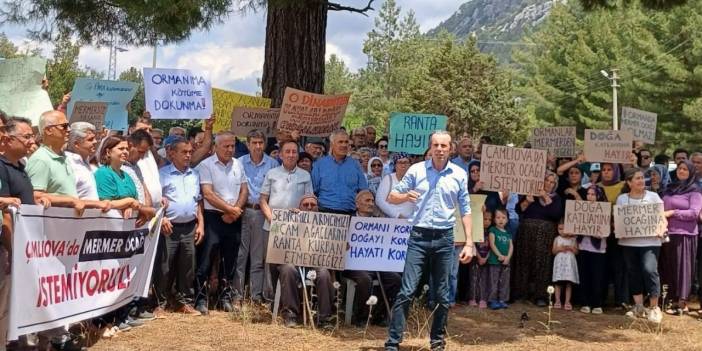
(655, 315)
(597, 310)
(585, 309)
(638, 311)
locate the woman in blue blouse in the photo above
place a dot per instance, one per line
(112, 183)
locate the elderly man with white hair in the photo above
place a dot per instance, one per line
(82, 143)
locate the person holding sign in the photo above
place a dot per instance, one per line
(683, 202)
(592, 262)
(436, 187)
(532, 250)
(641, 253)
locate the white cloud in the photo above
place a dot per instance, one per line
(335, 50)
(225, 64)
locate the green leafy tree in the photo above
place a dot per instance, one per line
(63, 69)
(8, 49)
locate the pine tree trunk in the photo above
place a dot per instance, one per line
(295, 46)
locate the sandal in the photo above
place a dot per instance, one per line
(568, 307)
(557, 305)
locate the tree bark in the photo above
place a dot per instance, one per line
(295, 47)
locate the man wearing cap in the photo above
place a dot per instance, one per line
(225, 190)
(253, 240)
(437, 187)
(337, 178)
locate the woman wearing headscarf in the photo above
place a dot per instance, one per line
(655, 179)
(374, 174)
(401, 163)
(538, 228)
(683, 202)
(475, 186)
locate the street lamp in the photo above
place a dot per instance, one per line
(613, 77)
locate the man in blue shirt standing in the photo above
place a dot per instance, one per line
(182, 228)
(337, 179)
(436, 187)
(465, 153)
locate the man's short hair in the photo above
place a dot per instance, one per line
(46, 119)
(255, 134)
(288, 142)
(680, 150)
(12, 122)
(337, 133)
(157, 130)
(173, 130)
(177, 140)
(224, 135)
(661, 159)
(79, 131)
(193, 132)
(140, 136)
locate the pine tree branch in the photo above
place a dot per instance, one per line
(339, 7)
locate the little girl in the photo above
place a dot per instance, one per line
(592, 262)
(501, 249)
(479, 284)
(565, 266)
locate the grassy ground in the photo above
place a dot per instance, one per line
(469, 329)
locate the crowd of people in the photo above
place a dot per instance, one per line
(218, 193)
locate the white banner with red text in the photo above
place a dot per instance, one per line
(66, 269)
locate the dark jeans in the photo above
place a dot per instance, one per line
(427, 249)
(642, 270)
(618, 273)
(288, 276)
(177, 265)
(591, 267)
(226, 237)
(364, 289)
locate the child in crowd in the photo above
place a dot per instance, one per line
(479, 284)
(565, 266)
(592, 262)
(501, 249)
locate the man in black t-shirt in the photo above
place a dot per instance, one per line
(14, 179)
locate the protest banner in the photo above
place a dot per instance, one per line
(245, 119)
(312, 114)
(116, 93)
(308, 239)
(66, 269)
(641, 124)
(226, 101)
(377, 244)
(91, 112)
(588, 218)
(639, 220)
(560, 141)
(21, 94)
(409, 132)
(512, 169)
(611, 146)
(476, 210)
(177, 94)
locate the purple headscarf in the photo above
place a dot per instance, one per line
(616, 178)
(687, 185)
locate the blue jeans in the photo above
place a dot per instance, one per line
(426, 249)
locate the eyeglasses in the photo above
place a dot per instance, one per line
(308, 205)
(382, 146)
(24, 137)
(63, 126)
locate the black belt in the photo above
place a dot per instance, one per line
(254, 206)
(436, 233)
(186, 224)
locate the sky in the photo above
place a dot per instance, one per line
(235, 61)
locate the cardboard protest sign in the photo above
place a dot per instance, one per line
(245, 119)
(91, 112)
(639, 220)
(512, 169)
(177, 94)
(611, 146)
(377, 244)
(226, 101)
(559, 141)
(476, 216)
(21, 94)
(68, 268)
(116, 93)
(312, 114)
(410, 132)
(641, 124)
(588, 218)
(308, 239)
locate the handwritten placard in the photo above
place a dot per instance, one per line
(639, 220)
(177, 94)
(245, 119)
(91, 112)
(377, 244)
(611, 146)
(115, 93)
(226, 101)
(589, 218)
(641, 124)
(312, 114)
(21, 94)
(560, 141)
(410, 132)
(512, 169)
(308, 239)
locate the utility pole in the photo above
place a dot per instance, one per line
(112, 68)
(613, 77)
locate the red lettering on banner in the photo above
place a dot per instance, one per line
(58, 288)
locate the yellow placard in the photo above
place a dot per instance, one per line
(224, 103)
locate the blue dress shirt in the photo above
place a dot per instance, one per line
(337, 183)
(256, 173)
(182, 189)
(463, 164)
(440, 193)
